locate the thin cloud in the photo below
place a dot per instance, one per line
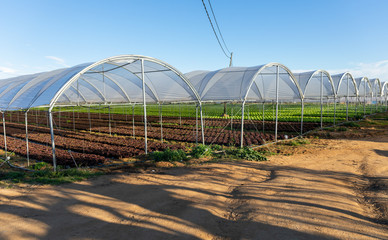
(58, 60)
(7, 70)
(370, 70)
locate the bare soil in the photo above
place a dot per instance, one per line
(329, 189)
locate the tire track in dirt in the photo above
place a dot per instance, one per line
(239, 211)
(371, 192)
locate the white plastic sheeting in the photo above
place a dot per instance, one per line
(345, 85)
(315, 84)
(244, 84)
(376, 87)
(364, 87)
(119, 80)
(112, 80)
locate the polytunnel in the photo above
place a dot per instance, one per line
(112, 80)
(264, 83)
(364, 91)
(346, 87)
(316, 85)
(267, 82)
(384, 94)
(121, 79)
(376, 91)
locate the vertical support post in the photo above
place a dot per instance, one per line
(355, 108)
(161, 122)
(364, 96)
(180, 115)
(301, 118)
(202, 127)
(386, 101)
(144, 106)
(277, 103)
(110, 127)
(347, 98)
(59, 118)
(263, 116)
(5, 138)
(273, 111)
(90, 122)
(133, 120)
(231, 118)
(242, 125)
(52, 139)
(335, 109)
(196, 124)
(321, 99)
(73, 120)
(28, 152)
(376, 97)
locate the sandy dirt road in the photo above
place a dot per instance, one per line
(336, 189)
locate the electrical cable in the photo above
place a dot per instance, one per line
(214, 31)
(215, 20)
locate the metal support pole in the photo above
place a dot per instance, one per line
(144, 107)
(73, 120)
(347, 99)
(263, 116)
(321, 99)
(355, 108)
(52, 139)
(196, 124)
(364, 96)
(133, 120)
(386, 102)
(301, 119)
(180, 115)
(110, 127)
(273, 111)
(161, 122)
(242, 125)
(231, 118)
(90, 122)
(335, 106)
(202, 126)
(277, 103)
(5, 139)
(28, 152)
(59, 118)
(376, 97)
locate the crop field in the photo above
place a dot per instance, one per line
(97, 135)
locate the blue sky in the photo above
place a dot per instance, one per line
(336, 35)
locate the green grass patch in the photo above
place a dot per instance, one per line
(296, 142)
(201, 151)
(168, 155)
(246, 154)
(350, 124)
(47, 176)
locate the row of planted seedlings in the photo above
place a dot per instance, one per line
(105, 132)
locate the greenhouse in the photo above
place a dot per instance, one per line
(128, 105)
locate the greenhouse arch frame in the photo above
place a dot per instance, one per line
(136, 79)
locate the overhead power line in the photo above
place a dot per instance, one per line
(219, 31)
(230, 55)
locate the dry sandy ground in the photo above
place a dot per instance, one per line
(337, 189)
